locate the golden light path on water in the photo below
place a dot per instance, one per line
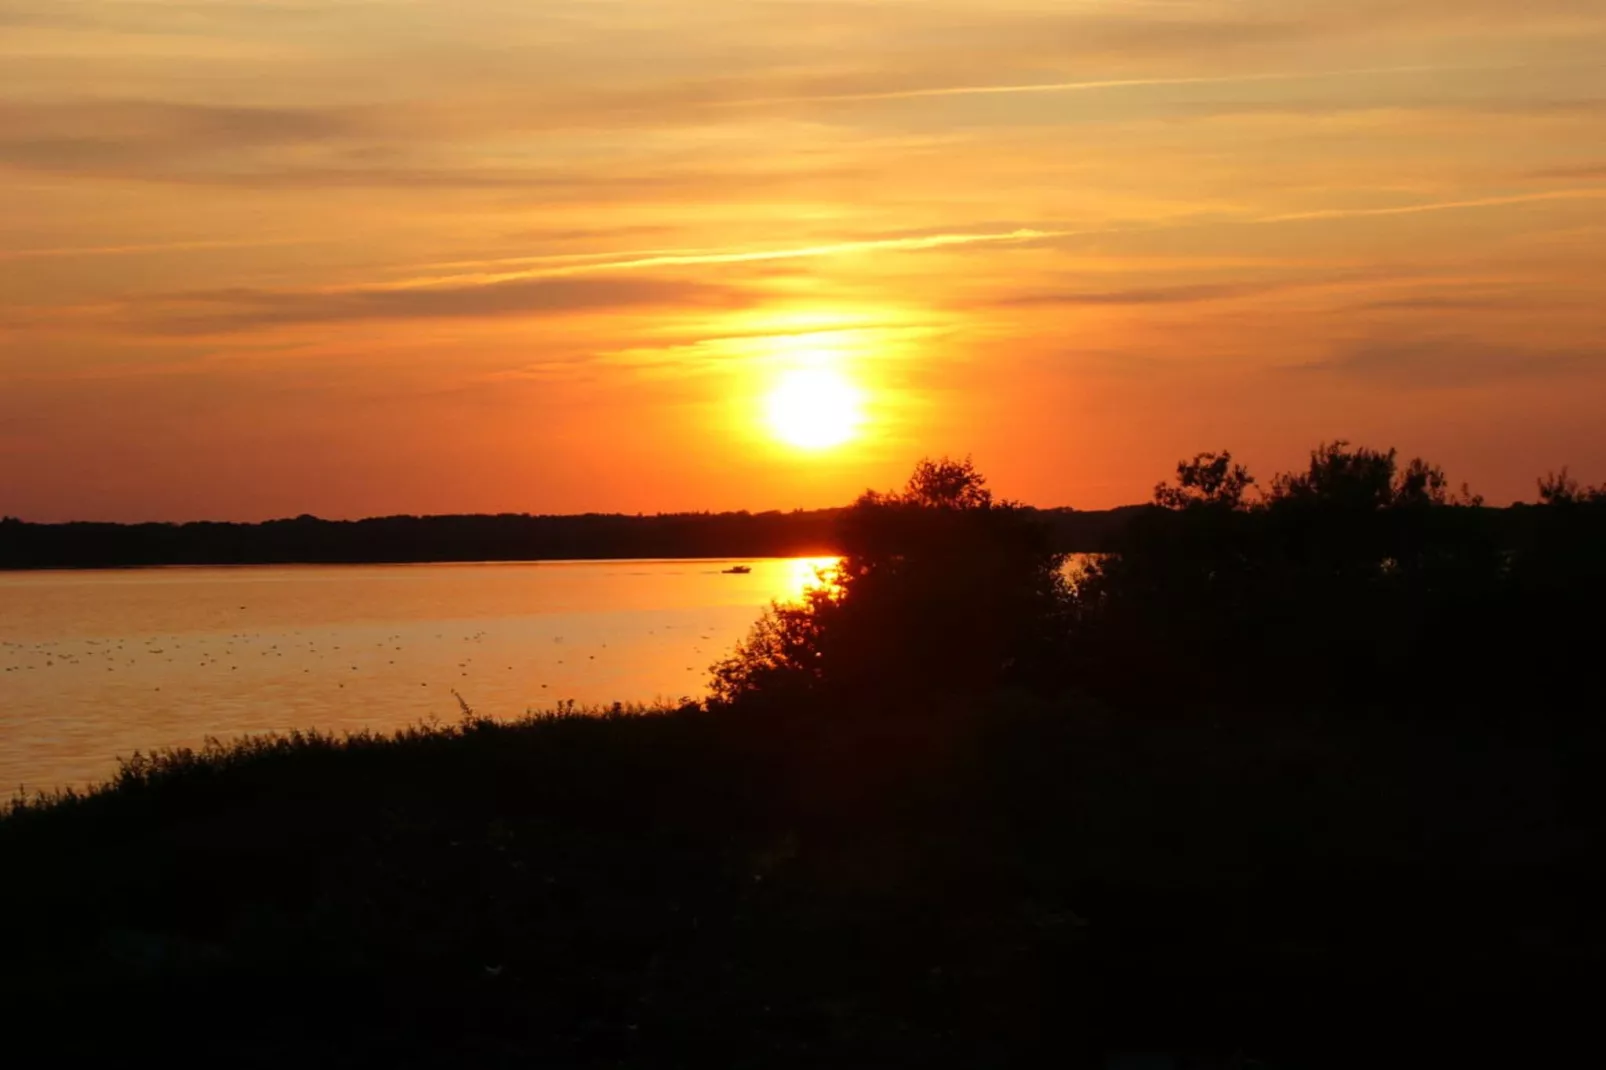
(805, 573)
(100, 664)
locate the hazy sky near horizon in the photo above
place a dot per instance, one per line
(348, 257)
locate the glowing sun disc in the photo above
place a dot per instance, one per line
(814, 409)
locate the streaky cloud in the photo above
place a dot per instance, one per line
(712, 257)
(223, 311)
(1077, 87)
(1159, 295)
(1447, 362)
(66, 251)
(1587, 173)
(1438, 206)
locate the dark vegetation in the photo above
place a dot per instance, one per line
(398, 539)
(1302, 778)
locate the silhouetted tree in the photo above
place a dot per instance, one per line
(941, 589)
(1339, 477)
(1559, 488)
(1366, 479)
(1356, 574)
(1210, 480)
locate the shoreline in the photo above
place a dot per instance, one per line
(461, 562)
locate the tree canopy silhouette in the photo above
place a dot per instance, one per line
(941, 589)
(1210, 480)
(1559, 488)
(1359, 576)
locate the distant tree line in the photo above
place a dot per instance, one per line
(506, 537)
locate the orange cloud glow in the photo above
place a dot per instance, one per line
(266, 257)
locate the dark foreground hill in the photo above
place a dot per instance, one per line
(1010, 883)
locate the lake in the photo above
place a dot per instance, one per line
(96, 665)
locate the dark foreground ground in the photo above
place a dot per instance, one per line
(1009, 884)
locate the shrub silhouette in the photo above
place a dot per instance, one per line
(1210, 480)
(1360, 577)
(1559, 488)
(942, 589)
(1364, 479)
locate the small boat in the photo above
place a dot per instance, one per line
(737, 570)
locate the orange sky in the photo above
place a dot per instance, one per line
(347, 257)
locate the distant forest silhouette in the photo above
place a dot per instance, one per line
(505, 537)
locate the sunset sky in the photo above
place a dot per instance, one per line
(352, 257)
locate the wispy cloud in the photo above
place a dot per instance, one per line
(1289, 280)
(1438, 206)
(1155, 295)
(707, 257)
(68, 251)
(224, 311)
(567, 264)
(1449, 361)
(1468, 303)
(1074, 87)
(1587, 172)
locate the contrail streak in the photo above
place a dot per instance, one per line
(132, 250)
(1078, 87)
(688, 259)
(1438, 206)
(692, 258)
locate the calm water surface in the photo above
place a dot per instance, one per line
(94, 665)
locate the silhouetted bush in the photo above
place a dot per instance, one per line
(1358, 578)
(941, 590)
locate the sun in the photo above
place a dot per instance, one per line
(815, 409)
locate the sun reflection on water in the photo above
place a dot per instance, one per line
(806, 573)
